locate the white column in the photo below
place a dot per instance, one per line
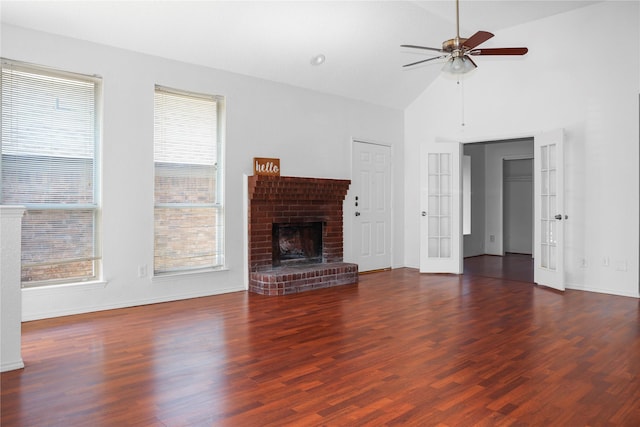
(10, 293)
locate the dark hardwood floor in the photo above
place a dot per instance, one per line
(400, 348)
(518, 267)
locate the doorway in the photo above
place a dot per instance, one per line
(500, 242)
(441, 237)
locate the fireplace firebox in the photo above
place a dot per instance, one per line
(295, 244)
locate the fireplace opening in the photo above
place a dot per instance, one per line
(299, 243)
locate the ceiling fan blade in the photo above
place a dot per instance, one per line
(425, 60)
(500, 51)
(468, 58)
(421, 47)
(476, 39)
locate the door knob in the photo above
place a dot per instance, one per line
(423, 213)
(560, 217)
(357, 213)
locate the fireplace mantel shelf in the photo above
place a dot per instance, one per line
(263, 187)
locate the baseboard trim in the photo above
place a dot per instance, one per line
(12, 366)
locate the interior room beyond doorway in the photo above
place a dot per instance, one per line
(500, 241)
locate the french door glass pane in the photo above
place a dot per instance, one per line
(434, 204)
(445, 164)
(434, 251)
(445, 184)
(445, 226)
(434, 184)
(433, 163)
(552, 156)
(433, 226)
(544, 262)
(445, 205)
(445, 247)
(544, 158)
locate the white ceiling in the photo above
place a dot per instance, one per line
(275, 40)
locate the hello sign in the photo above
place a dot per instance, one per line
(265, 166)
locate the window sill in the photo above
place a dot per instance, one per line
(84, 286)
(170, 276)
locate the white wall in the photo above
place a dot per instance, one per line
(310, 132)
(474, 242)
(10, 298)
(558, 84)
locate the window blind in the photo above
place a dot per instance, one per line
(48, 159)
(188, 218)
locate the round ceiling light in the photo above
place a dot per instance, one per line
(318, 59)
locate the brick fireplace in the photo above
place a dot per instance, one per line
(284, 212)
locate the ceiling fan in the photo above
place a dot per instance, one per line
(459, 50)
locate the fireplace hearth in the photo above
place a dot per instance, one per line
(296, 235)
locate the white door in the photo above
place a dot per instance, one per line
(440, 204)
(371, 186)
(549, 215)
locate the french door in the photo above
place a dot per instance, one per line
(440, 208)
(549, 216)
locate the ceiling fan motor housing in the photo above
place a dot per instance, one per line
(454, 46)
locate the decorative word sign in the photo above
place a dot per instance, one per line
(264, 166)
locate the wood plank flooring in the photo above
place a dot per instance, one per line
(400, 348)
(518, 267)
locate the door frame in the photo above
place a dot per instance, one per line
(349, 208)
(477, 139)
(529, 138)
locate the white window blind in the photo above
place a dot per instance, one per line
(188, 218)
(49, 138)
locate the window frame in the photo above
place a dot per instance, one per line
(95, 206)
(219, 195)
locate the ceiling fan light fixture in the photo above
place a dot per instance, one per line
(458, 65)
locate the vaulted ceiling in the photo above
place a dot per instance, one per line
(276, 40)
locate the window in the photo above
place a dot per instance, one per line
(49, 165)
(188, 213)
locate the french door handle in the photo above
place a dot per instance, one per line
(423, 213)
(559, 217)
(357, 213)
